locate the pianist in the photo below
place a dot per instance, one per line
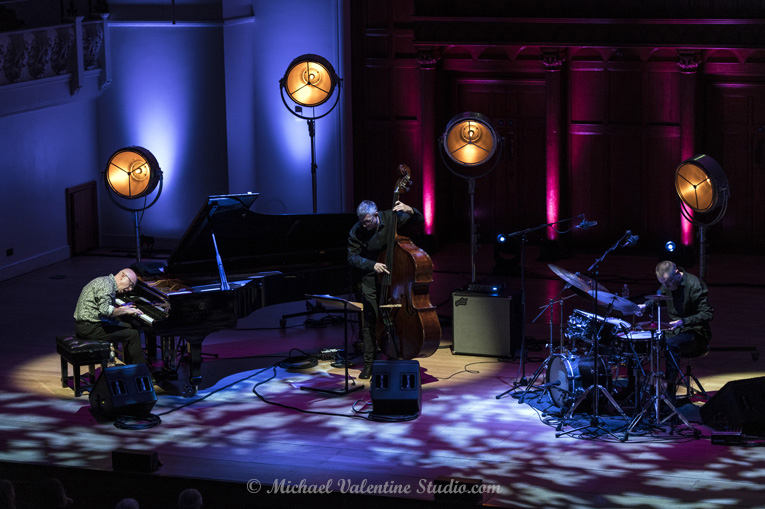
(96, 311)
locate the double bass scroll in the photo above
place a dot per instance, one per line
(409, 325)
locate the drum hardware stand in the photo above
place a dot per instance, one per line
(523, 382)
(545, 364)
(595, 421)
(638, 373)
(659, 393)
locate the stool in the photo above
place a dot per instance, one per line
(691, 383)
(81, 352)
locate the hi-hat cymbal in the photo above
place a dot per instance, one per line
(658, 296)
(625, 306)
(578, 281)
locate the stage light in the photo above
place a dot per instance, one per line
(701, 185)
(133, 173)
(501, 238)
(470, 139)
(309, 82)
(703, 191)
(473, 149)
(670, 246)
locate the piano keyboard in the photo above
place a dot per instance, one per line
(143, 316)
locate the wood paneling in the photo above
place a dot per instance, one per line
(736, 139)
(629, 116)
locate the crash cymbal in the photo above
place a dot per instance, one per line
(658, 296)
(625, 306)
(652, 325)
(578, 281)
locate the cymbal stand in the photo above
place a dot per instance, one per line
(523, 233)
(595, 388)
(659, 391)
(545, 364)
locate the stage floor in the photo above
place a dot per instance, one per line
(251, 423)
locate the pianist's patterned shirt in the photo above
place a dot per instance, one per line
(96, 300)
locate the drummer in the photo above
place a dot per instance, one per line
(689, 316)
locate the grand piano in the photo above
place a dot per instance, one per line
(232, 261)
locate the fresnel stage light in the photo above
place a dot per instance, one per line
(132, 173)
(703, 191)
(473, 150)
(309, 82)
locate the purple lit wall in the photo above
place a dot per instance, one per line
(272, 149)
(167, 95)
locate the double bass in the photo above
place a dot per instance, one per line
(408, 325)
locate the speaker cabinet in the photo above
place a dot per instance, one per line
(738, 406)
(487, 324)
(396, 390)
(123, 390)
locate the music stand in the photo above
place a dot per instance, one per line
(332, 302)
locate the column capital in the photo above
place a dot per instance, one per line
(428, 58)
(688, 61)
(552, 60)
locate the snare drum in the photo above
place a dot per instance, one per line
(572, 375)
(639, 341)
(582, 326)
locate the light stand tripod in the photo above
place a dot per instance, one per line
(337, 302)
(596, 389)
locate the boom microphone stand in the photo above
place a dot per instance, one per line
(596, 389)
(523, 382)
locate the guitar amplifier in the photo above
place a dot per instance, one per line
(487, 324)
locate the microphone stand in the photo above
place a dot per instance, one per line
(523, 382)
(595, 421)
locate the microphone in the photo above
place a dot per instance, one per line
(585, 225)
(631, 240)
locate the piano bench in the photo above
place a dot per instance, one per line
(81, 352)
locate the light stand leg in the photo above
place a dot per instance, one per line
(473, 231)
(312, 134)
(702, 253)
(137, 237)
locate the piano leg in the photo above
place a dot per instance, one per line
(195, 363)
(169, 354)
(150, 341)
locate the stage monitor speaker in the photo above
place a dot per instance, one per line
(738, 406)
(487, 324)
(396, 390)
(123, 390)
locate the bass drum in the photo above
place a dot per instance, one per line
(572, 375)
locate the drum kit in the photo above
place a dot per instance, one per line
(615, 358)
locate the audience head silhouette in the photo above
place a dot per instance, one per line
(190, 499)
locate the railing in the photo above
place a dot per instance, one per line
(36, 56)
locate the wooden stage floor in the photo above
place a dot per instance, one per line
(251, 425)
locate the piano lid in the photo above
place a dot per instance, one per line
(250, 241)
(196, 244)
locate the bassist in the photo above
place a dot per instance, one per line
(366, 240)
